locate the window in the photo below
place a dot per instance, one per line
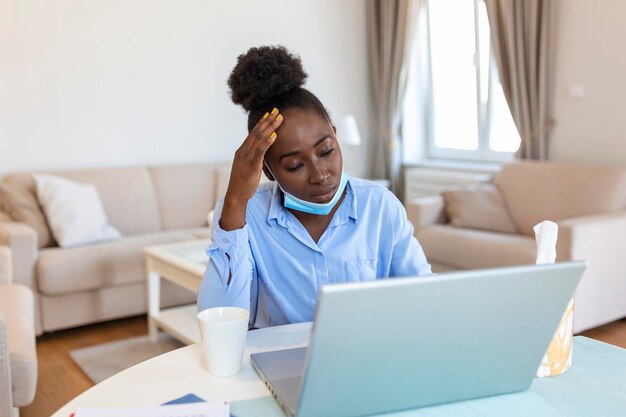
(455, 87)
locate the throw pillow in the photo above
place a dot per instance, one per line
(74, 211)
(20, 203)
(478, 207)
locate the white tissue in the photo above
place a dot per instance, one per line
(546, 233)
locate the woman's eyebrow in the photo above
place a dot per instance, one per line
(293, 153)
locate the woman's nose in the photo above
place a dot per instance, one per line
(318, 174)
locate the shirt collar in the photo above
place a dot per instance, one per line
(277, 211)
(348, 209)
(349, 206)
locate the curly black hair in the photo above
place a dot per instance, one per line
(269, 76)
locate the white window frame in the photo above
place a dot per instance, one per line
(484, 112)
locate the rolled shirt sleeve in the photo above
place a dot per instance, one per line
(407, 258)
(230, 271)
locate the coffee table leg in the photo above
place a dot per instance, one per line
(154, 298)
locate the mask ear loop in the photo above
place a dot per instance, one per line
(270, 170)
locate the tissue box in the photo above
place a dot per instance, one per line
(558, 357)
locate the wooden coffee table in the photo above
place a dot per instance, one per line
(183, 264)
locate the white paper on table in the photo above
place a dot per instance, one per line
(199, 409)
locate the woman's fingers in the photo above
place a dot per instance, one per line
(267, 133)
(268, 121)
(264, 133)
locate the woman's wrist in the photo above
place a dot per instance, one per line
(233, 213)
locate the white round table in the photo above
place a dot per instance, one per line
(182, 371)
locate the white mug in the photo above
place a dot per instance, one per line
(223, 331)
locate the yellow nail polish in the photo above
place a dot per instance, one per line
(273, 135)
(279, 116)
(265, 115)
(275, 110)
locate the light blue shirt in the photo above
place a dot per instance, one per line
(276, 267)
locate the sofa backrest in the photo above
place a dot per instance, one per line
(127, 195)
(140, 199)
(536, 191)
(185, 193)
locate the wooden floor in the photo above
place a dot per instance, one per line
(60, 379)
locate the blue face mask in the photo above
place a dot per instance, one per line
(295, 203)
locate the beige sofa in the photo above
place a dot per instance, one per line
(18, 357)
(95, 282)
(588, 202)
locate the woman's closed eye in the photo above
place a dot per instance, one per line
(326, 153)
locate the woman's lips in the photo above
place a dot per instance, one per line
(325, 197)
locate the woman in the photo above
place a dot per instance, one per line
(274, 245)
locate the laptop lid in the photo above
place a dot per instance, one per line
(397, 344)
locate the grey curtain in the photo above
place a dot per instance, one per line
(522, 35)
(391, 26)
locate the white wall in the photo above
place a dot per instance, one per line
(591, 51)
(125, 82)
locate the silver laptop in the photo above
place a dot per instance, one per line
(395, 344)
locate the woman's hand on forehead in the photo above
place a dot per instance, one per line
(248, 161)
(245, 174)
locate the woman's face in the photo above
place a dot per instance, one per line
(305, 158)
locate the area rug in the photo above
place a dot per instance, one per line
(99, 362)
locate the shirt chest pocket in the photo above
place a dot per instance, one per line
(361, 270)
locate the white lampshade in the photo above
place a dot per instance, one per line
(347, 131)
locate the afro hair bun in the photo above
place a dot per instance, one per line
(263, 73)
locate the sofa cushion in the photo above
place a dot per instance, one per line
(473, 249)
(74, 211)
(537, 191)
(185, 194)
(106, 304)
(105, 264)
(478, 207)
(127, 195)
(18, 199)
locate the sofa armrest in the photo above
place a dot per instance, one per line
(6, 272)
(424, 211)
(600, 240)
(22, 241)
(18, 344)
(6, 397)
(578, 235)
